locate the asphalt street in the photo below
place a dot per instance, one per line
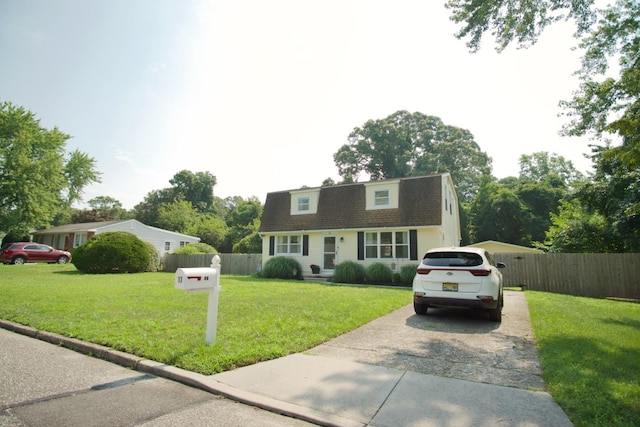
(48, 385)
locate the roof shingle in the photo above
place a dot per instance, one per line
(344, 207)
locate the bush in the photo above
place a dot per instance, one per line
(349, 272)
(378, 273)
(196, 248)
(154, 258)
(281, 267)
(112, 252)
(407, 273)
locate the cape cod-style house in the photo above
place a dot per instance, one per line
(73, 235)
(393, 221)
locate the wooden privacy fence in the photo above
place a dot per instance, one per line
(241, 264)
(592, 275)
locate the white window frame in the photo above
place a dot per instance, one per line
(79, 239)
(304, 204)
(289, 245)
(386, 244)
(381, 198)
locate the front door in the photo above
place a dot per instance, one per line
(329, 258)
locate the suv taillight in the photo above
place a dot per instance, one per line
(480, 272)
(423, 270)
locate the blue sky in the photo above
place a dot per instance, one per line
(261, 94)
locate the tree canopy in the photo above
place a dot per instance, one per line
(602, 103)
(38, 179)
(408, 144)
(604, 213)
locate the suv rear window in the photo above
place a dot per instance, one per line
(452, 259)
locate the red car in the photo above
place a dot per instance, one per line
(21, 252)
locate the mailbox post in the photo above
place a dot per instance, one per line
(197, 280)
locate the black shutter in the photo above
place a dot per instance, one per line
(305, 245)
(413, 244)
(360, 245)
(272, 245)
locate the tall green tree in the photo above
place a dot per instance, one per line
(102, 208)
(497, 213)
(601, 214)
(544, 181)
(406, 144)
(148, 211)
(211, 229)
(576, 230)
(38, 179)
(108, 207)
(542, 165)
(243, 219)
(178, 216)
(195, 188)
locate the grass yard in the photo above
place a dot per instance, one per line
(589, 348)
(144, 314)
(590, 353)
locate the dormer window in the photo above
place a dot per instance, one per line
(304, 201)
(303, 204)
(381, 198)
(382, 194)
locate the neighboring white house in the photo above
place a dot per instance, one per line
(392, 221)
(73, 235)
(495, 247)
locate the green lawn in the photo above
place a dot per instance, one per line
(589, 348)
(590, 353)
(144, 314)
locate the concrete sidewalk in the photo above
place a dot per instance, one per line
(357, 394)
(324, 387)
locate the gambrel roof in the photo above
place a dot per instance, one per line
(420, 204)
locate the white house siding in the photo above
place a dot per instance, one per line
(347, 248)
(452, 234)
(72, 235)
(156, 236)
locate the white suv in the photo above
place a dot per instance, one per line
(459, 277)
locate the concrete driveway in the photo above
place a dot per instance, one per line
(450, 343)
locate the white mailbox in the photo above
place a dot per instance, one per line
(196, 279)
(193, 280)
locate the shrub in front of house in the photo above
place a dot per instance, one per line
(407, 273)
(154, 258)
(196, 248)
(281, 267)
(349, 272)
(378, 273)
(112, 252)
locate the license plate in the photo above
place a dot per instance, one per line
(450, 287)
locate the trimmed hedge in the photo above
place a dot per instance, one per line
(196, 248)
(349, 272)
(281, 267)
(378, 273)
(155, 264)
(112, 252)
(407, 273)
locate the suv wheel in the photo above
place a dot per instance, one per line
(19, 260)
(63, 259)
(495, 314)
(420, 309)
